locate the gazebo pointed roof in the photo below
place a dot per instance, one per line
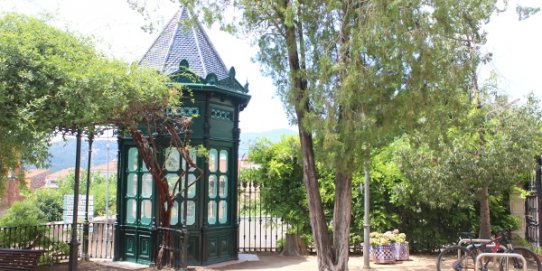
(180, 41)
(183, 50)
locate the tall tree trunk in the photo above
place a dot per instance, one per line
(342, 215)
(148, 150)
(330, 257)
(485, 222)
(316, 210)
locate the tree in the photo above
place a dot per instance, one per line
(52, 80)
(398, 204)
(279, 173)
(355, 74)
(487, 156)
(23, 213)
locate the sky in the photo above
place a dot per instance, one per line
(516, 47)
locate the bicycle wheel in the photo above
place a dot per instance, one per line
(533, 262)
(455, 258)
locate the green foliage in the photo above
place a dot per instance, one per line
(394, 201)
(279, 177)
(49, 203)
(491, 151)
(46, 205)
(397, 205)
(495, 147)
(43, 205)
(55, 248)
(53, 80)
(98, 188)
(23, 213)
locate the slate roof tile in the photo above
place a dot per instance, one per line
(180, 41)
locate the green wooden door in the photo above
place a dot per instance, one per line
(138, 211)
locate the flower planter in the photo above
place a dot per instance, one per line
(401, 251)
(383, 253)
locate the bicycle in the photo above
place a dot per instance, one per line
(459, 257)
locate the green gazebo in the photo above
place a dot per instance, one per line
(186, 54)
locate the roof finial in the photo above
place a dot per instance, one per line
(245, 87)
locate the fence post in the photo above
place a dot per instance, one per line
(538, 186)
(74, 244)
(86, 223)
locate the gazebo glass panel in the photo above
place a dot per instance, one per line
(190, 214)
(173, 159)
(146, 212)
(222, 212)
(132, 159)
(223, 164)
(212, 160)
(144, 167)
(223, 186)
(172, 180)
(211, 215)
(174, 218)
(131, 188)
(191, 185)
(146, 186)
(193, 157)
(212, 186)
(131, 211)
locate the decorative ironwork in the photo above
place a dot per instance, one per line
(221, 114)
(258, 231)
(183, 111)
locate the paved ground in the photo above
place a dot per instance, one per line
(266, 262)
(274, 262)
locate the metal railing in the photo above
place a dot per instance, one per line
(260, 231)
(54, 238)
(531, 217)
